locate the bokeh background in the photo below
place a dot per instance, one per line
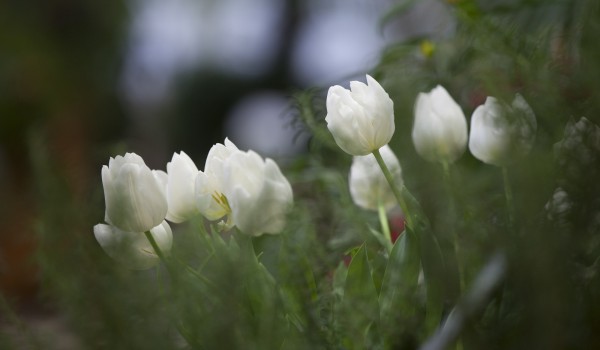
(84, 80)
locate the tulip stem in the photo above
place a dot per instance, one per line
(395, 190)
(509, 198)
(454, 234)
(385, 227)
(157, 250)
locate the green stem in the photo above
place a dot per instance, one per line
(158, 252)
(509, 198)
(395, 190)
(385, 227)
(454, 234)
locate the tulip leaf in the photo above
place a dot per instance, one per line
(339, 280)
(359, 309)
(432, 262)
(380, 237)
(399, 287)
(433, 270)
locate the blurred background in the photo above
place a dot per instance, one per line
(87, 80)
(81, 81)
(84, 80)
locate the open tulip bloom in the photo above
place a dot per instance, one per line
(361, 119)
(440, 128)
(501, 133)
(249, 192)
(258, 194)
(209, 187)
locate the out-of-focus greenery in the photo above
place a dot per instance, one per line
(293, 290)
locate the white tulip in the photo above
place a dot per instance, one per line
(368, 186)
(210, 200)
(361, 119)
(440, 128)
(135, 200)
(257, 193)
(133, 248)
(181, 182)
(501, 133)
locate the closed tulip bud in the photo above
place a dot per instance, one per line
(501, 133)
(257, 193)
(210, 200)
(181, 182)
(133, 248)
(440, 128)
(368, 186)
(135, 199)
(361, 119)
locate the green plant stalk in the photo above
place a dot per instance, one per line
(385, 227)
(454, 234)
(395, 190)
(159, 253)
(509, 198)
(455, 249)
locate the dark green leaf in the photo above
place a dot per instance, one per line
(360, 308)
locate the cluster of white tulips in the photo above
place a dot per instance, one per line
(500, 133)
(361, 120)
(237, 188)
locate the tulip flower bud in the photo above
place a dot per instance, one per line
(361, 119)
(368, 186)
(501, 133)
(133, 248)
(180, 188)
(210, 199)
(135, 200)
(440, 127)
(257, 193)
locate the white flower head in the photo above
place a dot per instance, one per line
(133, 248)
(361, 119)
(501, 133)
(368, 185)
(134, 197)
(209, 187)
(181, 182)
(440, 128)
(257, 193)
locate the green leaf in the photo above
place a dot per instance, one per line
(399, 287)
(360, 308)
(432, 261)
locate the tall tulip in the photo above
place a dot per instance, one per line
(440, 128)
(501, 133)
(361, 119)
(181, 181)
(134, 197)
(368, 185)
